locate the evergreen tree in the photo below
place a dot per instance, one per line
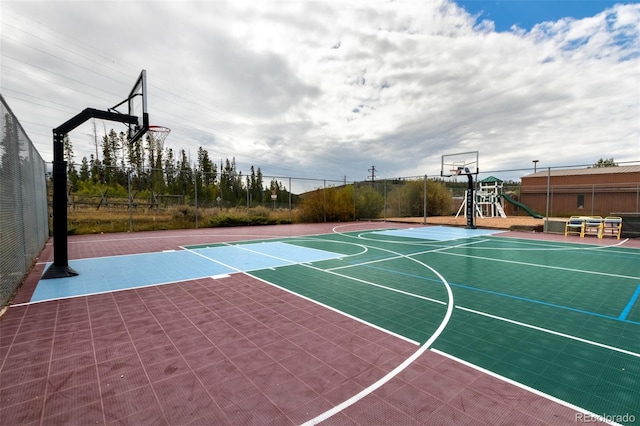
(206, 167)
(206, 177)
(170, 170)
(72, 173)
(185, 176)
(255, 186)
(111, 145)
(605, 163)
(85, 173)
(277, 188)
(97, 171)
(135, 154)
(226, 182)
(237, 185)
(154, 154)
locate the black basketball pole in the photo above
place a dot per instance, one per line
(60, 267)
(470, 204)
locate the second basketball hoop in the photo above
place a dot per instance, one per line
(465, 163)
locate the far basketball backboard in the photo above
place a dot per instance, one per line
(465, 163)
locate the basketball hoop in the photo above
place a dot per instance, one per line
(157, 135)
(460, 171)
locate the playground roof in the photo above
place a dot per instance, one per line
(491, 179)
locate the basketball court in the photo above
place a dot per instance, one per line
(356, 323)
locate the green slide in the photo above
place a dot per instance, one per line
(522, 206)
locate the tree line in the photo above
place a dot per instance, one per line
(146, 169)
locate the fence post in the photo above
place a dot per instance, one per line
(130, 199)
(385, 200)
(547, 206)
(290, 206)
(324, 200)
(195, 191)
(425, 200)
(355, 208)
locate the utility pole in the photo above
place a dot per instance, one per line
(372, 170)
(95, 137)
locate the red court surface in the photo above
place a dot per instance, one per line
(230, 351)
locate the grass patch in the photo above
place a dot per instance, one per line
(110, 219)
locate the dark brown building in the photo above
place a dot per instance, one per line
(591, 191)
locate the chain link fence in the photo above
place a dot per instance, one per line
(23, 204)
(148, 199)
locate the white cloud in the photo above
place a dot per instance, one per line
(326, 90)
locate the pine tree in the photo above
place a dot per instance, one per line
(605, 163)
(72, 173)
(185, 177)
(170, 171)
(85, 173)
(110, 148)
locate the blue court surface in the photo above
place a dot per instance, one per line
(438, 233)
(105, 274)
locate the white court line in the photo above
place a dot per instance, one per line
(331, 308)
(371, 388)
(495, 316)
(516, 384)
(395, 290)
(119, 290)
(522, 324)
(405, 255)
(560, 268)
(541, 245)
(545, 330)
(243, 247)
(213, 260)
(409, 360)
(82, 259)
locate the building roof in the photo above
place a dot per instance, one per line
(586, 171)
(491, 179)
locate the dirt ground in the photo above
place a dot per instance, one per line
(487, 222)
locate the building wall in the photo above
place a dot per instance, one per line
(585, 194)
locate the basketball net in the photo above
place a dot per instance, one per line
(157, 135)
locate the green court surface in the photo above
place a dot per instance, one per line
(559, 318)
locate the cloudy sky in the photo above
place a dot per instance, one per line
(327, 89)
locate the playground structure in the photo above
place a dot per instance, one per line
(488, 200)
